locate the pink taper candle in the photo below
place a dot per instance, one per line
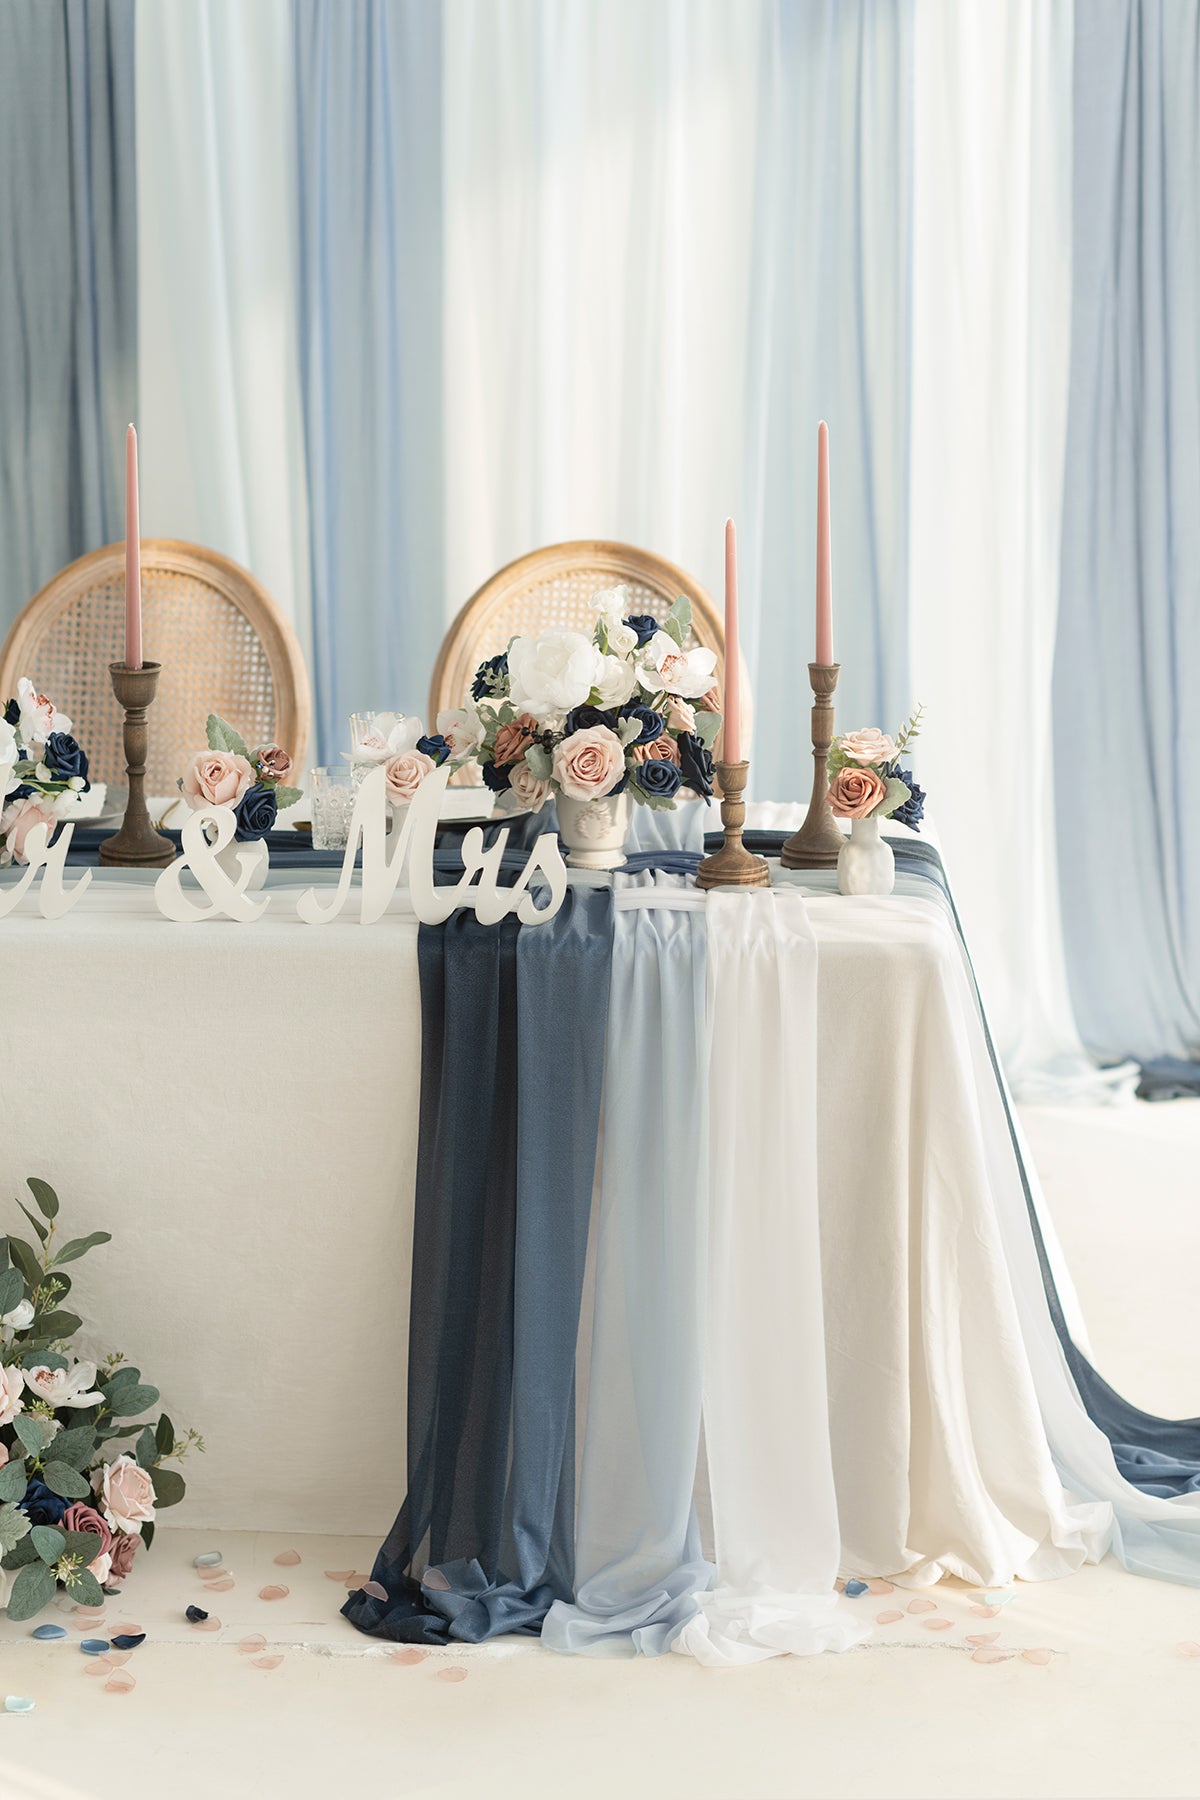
(133, 558)
(731, 733)
(824, 564)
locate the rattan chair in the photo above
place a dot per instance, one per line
(224, 647)
(557, 586)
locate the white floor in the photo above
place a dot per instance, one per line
(1114, 1710)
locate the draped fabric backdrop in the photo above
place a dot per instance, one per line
(417, 288)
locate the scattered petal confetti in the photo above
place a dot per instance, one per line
(922, 1606)
(887, 1618)
(208, 1576)
(265, 1662)
(206, 1559)
(854, 1589)
(207, 1624)
(938, 1624)
(86, 1625)
(195, 1615)
(989, 1656)
(1187, 1648)
(998, 1599)
(287, 1559)
(880, 1587)
(99, 1665)
(128, 1640)
(1041, 1657)
(116, 1658)
(120, 1682)
(409, 1657)
(94, 1646)
(17, 1703)
(435, 1579)
(251, 1645)
(219, 1587)
(984, 1637)
(124, 1629)
(357, 1579)
(89, 1612)
(985, 1612)
(454, 1674)
(273, 1593)
(49, 1631)
(342, 1575)
(376, 1589)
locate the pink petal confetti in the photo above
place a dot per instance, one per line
(1187, 1648)
(219, 1587)
(357, 1579)
(249, 1646)
(265, 1662)
(99, 1665)
(342, 1575)
(273, 1593)
(208, 1576)
(880, 1587)
(120, 1682)
(376, 1589)
(127, 1630)
(938, 1624)
(410, 1657)
(887, 1618)
(922, 1606)
(287, 1559)
(985, 1612)
(209, 1624)
(984, 1637)
(116, 1657)
(989, 1656)
(1040, 1657)
(454, 1674)
(86, 1625)
(435, 1579)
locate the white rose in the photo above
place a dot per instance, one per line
(19, 1317)
(615, 681)
(613, 605)
(12, 1398)
(551, 673)
(64, 1387)
(668, 669)
(463, 730)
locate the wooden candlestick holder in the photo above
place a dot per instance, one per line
(733, 865)
(137, 845)
(818, 842)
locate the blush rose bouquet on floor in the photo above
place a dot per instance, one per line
(75, 1504)
(43, 771)
(629, 709)
(866, 779)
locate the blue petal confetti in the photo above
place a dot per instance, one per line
(206, 1559)
(195, 1616)
(854, 1589)
(17, 1703)
(129, 1640)
(49, 1631)
(94, 1646)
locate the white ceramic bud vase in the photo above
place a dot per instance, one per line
(594, 831)
(865, 861)
(253, 856)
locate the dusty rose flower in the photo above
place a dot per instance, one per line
(79, 1516)
(867, 746)
(274, 762)
(589, 763)
(19, 819)
(530, 793)
(124, 1549)
(681, 714)
(127, 1493)
(663, 749)
(853, 793)
(514, 740)
(404, 775)
(215, 778)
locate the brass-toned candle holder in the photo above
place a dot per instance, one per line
(818, 842)
(733, 865)
(137, 845)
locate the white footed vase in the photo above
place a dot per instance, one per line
(594, 831)
(252, 856)
(866, 864)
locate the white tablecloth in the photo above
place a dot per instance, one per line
(239, 1106)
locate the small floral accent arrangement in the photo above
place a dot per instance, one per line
(866, 779)
(228, 774)
(625, 710)
(406, 751)
(74, 1505)
(43, 771)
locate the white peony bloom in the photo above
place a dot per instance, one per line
(12, 1399)
(38, 717)
(615, 681)
(64, 1387)
(9, 754)
(463, 730)
(552, 673)
(668, 669)
(20, 1317)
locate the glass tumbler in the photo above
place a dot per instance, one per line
(333, 794)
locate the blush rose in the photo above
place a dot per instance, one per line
(127, 1494)
(216, 778)
(404, 774)
(590, 763)
(854, 793)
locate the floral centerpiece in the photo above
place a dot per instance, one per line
(74, 1505)
(43, 771)
(229, 774)
(408, 753)
(867, 784)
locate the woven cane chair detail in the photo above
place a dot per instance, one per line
(557, 587)
(224, 647)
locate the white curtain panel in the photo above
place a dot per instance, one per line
(220, 427)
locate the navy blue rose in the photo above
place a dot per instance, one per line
(491, 677)
(497, 776)
(644, 625)
(913, 810)
(435, 747)
(650, 721)
(40, 1506)
(67, 760)
(255, 813)
(582, 718)
(662, 779)
(696, 764)
(12, 713)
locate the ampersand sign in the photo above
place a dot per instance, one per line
(229, 897)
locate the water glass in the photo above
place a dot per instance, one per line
(333, 794)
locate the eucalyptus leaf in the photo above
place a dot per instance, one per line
(539, 760)
(55, 1325)
(48, 1543)
(169, 1486)
(707, 726)
(12, 1291)
(287, 796)
(34, 1588)
(43, 1359)
(13, 1480)
(80, 1246)
(4, 1257)
(223, 737)
(13, 1527)
(65, 1481)
(84, 1588)
(120, 1376)
(24, 1553)
(81, 1543)
(44, 1195)
(164, 1436)
(25, 1259)
(895, 794)
(34, 1431)
(75, 1446)
(41, 1230)
(131, 1400)
(146, 1449)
